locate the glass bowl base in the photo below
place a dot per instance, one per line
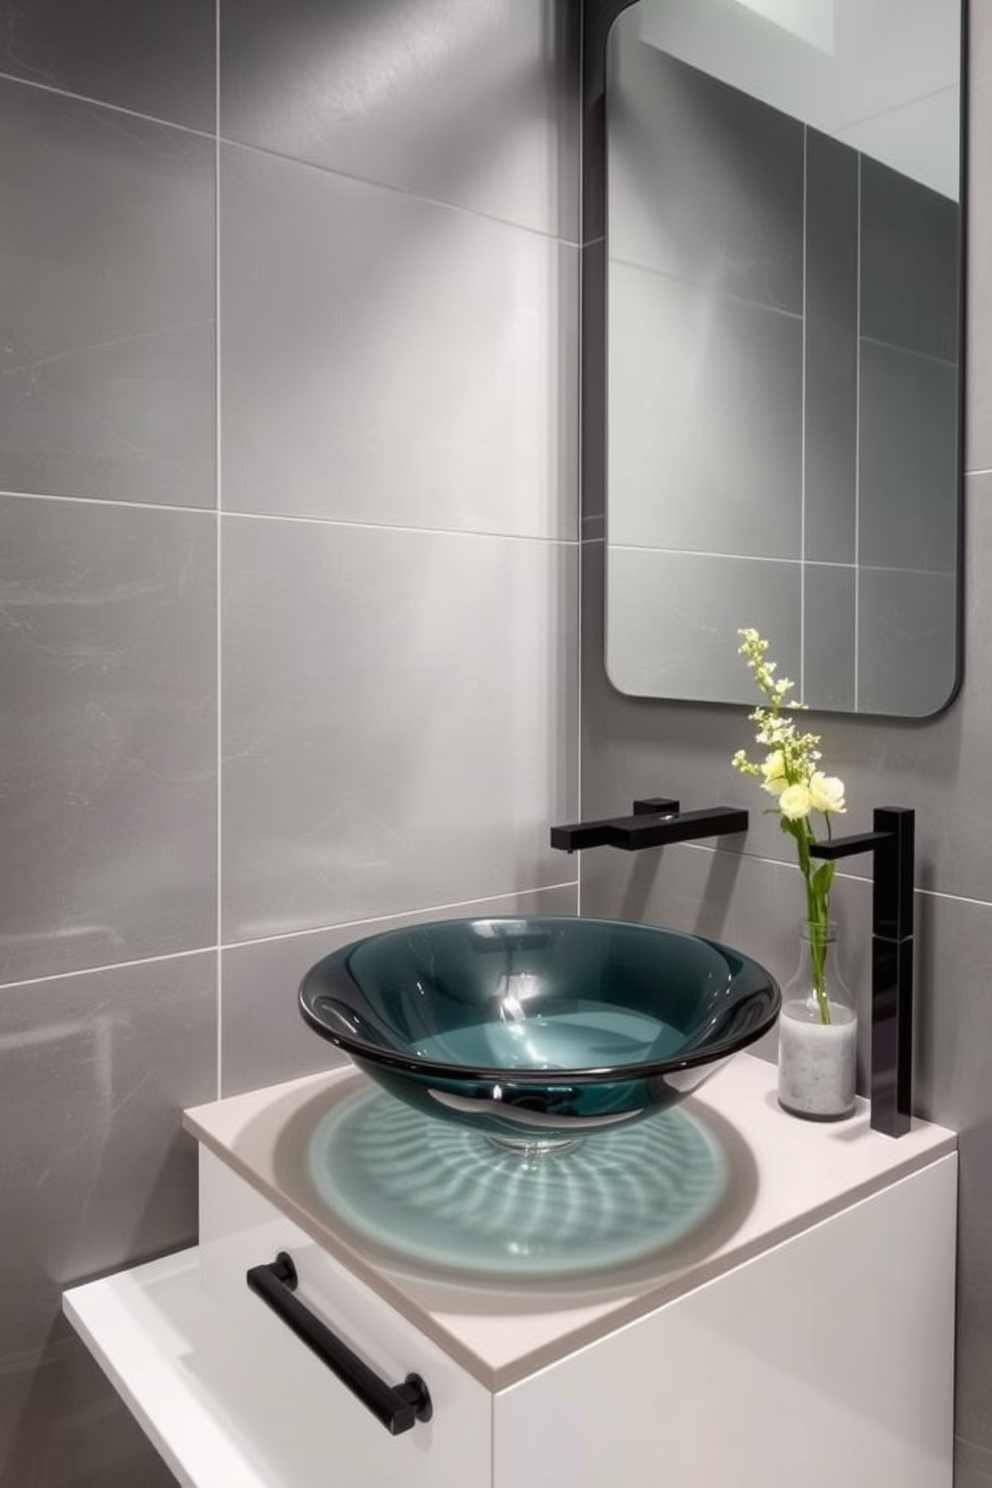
(535, 1147)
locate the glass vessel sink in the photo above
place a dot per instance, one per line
(541, 1030)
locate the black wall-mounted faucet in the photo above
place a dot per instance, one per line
(892, 842)
(655, 823)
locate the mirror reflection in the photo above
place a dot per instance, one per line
(783, 348)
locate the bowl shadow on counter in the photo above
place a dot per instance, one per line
(390, 1190)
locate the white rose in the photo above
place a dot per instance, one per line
(826, 792)
(795, 802)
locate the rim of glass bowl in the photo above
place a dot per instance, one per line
(593, 1074)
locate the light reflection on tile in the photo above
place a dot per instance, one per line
(107, 734)
(476, 105)
(107, 345)
(397, 715)
(393, 360)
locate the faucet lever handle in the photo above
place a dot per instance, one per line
(657, 806)
(847, 847)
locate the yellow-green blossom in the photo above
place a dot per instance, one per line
(790, 773)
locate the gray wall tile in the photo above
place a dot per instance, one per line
(972, 1465)
(414, 96)
(393, 360)
(107, 322)
(709, 432)
(955, 1031)
(96, 1069)
(63, 1426)
(263, 1037)
(107, 734)
(397, 708)
(154, 59)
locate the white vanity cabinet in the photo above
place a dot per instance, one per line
(807, 1338)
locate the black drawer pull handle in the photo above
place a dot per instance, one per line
(398, 1407)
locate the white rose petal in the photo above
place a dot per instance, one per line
(795, 802)
(826, 792)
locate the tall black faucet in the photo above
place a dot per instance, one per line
(656, 822)
(892, 842)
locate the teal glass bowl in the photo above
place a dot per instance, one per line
(538, 1031)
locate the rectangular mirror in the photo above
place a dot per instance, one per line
(783, 348)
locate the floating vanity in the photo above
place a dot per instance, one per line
(732, 1297)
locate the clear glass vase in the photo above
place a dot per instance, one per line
(818, 1032)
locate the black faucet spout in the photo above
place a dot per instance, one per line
(656, 822)
(892, 842)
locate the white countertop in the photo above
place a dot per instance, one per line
(783, 1175)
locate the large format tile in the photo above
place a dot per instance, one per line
(398, 720)
(96, 1173)
(263, 1037)
(107, 734)
(156, 59)
(392, 360)
(972, 1465)
(954, 1035)
(107, 320)
(64, 1426)
(473, 102)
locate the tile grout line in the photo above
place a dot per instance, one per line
(546, 539)
(218, 532)
(266, 153)
(414, 917)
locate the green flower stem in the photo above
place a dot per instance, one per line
(817, 882)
